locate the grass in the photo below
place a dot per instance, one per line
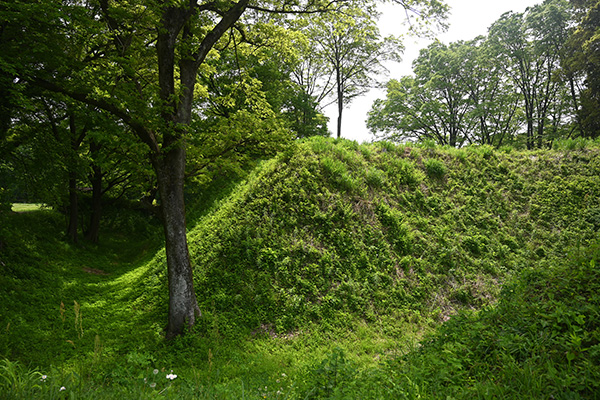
(26, 207)
(541, 340)
(335, 271)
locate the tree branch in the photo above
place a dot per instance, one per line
(145, 135)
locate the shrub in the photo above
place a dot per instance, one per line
(545, 328)
(375, 178)
(435, 168)
(396, 231)
(401, 171)
(428, 144)
(571, 144)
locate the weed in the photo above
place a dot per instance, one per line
(331, 378)
(375, 178)
(435, 168)
(19, 383)
(428, 144)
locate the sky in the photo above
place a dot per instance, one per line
(468, 19)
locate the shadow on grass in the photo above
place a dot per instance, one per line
(62, 302)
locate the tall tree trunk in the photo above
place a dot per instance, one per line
(540, 133)
(73, 198)
(339, 122)
(530, 138)
(169, 159)
(530, 127)
(453, 134)
(576, 108)
(340, 104)
(183, 306)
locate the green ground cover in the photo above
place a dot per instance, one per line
(335, 270)
(25, 207)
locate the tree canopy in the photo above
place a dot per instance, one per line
(519, 85)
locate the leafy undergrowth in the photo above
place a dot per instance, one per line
(541, 341)
(333, 231)
(318, 277)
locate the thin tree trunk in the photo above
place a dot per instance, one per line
(339, 122)
(453, 134)
(183, 306)
(576, 107)
(73, 198)
(73, 209)
(93, 233)
(530, 128)
(540, 133)
(530, 137)
(340, 93)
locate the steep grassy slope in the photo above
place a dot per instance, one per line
(339, 232)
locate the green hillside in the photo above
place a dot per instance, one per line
(337, 231)
(335, 270)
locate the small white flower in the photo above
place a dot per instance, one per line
(62, 388)
(153, 385)
(43, 379)
(155, 372)
(171, 376)
(283, 374)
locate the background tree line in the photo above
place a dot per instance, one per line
(533, 79)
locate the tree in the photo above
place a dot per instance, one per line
(437, 69)
(478, 91)
(493, 103)
(116, 169)
(457, 96)
(581, 66)
(409, 112)
(62, 151)
(260, 67)
(345, 56)
(51, 182)
(532, 45)
(139, 62)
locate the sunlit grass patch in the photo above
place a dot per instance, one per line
(26, 207)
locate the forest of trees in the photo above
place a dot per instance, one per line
(104, 101)
(530, 81)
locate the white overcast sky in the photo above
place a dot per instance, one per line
(468, 19)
